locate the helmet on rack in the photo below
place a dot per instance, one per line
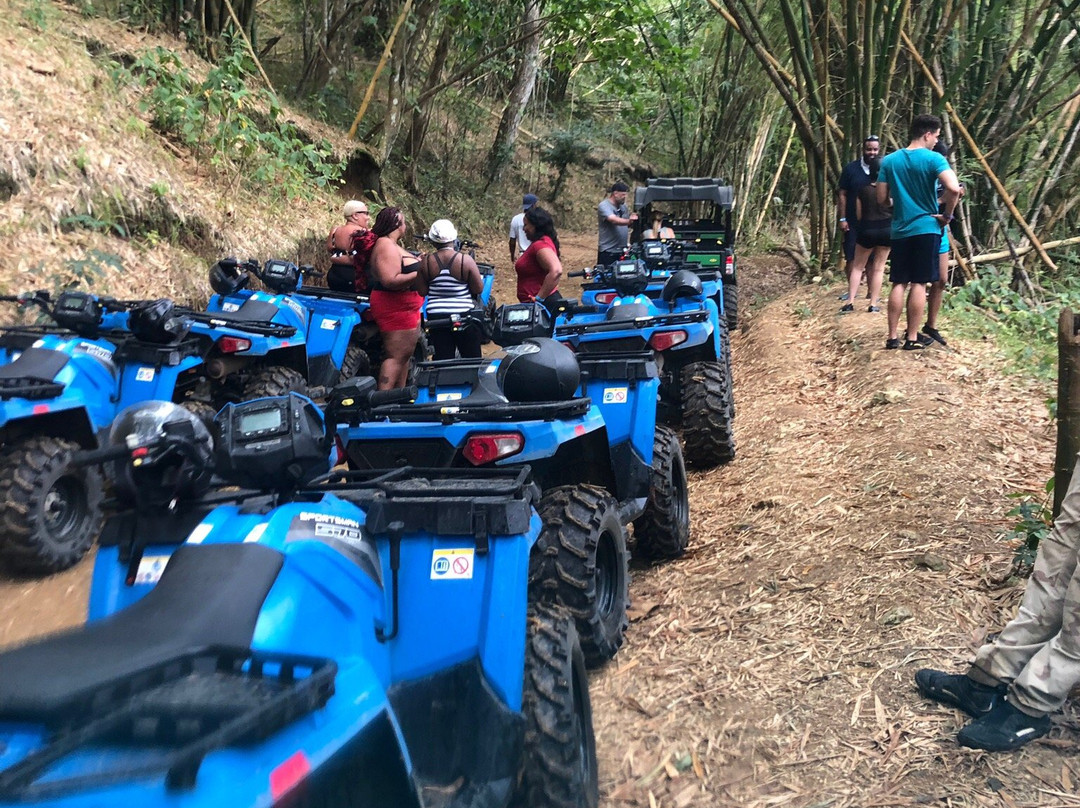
(178, 461)
(683, 283)
(156, 321)
(539, 369)
(228, 277)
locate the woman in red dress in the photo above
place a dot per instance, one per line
(539, 267)
(394, 304)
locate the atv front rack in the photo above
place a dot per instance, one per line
(190, 705)
(224, 320)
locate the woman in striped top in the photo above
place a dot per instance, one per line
(450, 280)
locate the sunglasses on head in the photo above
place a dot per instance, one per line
(871, 139)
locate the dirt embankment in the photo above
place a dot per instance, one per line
(856, 538)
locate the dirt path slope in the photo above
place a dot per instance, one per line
(855, 539)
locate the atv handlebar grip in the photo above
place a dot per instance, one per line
(402, 395)
(93, 457)
(579, 273)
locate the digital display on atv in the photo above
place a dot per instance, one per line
(519, 315)
(626, 269)
(260, 422)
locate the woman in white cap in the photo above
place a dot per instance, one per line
(342, 274)
(451, 282)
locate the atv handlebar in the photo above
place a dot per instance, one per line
(95, 457)
(401, 395)
(40, 298)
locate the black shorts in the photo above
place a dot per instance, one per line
(872, 237)
(915, 259)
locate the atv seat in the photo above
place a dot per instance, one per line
(251, 311)
(32, 374)
(208, 595)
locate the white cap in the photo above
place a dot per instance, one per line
(442, 232)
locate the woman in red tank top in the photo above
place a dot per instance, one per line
(394, 304)
(539, 267)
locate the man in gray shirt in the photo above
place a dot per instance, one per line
(613, 220)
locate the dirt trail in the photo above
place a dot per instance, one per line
(855, 539)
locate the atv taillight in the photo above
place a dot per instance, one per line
(605, 297)
(482, 449)
(233, 344)
(289, 774)
(662, 340)
(729, 265)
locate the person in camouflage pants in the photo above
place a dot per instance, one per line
(1028, 671)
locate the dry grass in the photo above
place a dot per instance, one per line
(851, 542)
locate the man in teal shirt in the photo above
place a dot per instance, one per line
(909, 177)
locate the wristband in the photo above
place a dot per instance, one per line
(843, 218)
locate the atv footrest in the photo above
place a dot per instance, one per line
(178, 711)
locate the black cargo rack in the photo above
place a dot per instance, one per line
(441, 501)
(485, 410)
(619, 366)
(333, 294)
(196, 702)
(651, 321)
(449, 372)
(157, 355)
(222, 320)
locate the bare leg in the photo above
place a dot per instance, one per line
(916, 305)
(876, 273)
(937, 291)
(858, 264)
(896, 305)
(399, 347)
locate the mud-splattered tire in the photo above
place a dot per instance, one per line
(50, 511)
(663, 530)
(201, 410)
(731, 305)
(725, 360)
(706, 414)
(356, 363)
(275, 381)
(580, 561)
(558, 768)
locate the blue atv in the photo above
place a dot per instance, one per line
(699, 212)
(585, 426)
(61, 385)
(293, 637)
(681, 323)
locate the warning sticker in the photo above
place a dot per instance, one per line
(150, 569)
(448, 396)
(449, 565)
(328, 325)
(144, 375)
(615, 395)
(230, 306)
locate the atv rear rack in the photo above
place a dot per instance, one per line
(223, 320)
(156, 355)
(651, 321)
(356, 298)
(459, 410)
(194, 703)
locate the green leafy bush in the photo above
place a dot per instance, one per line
(240, 133)
(1034, 519)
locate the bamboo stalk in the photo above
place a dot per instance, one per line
(251, 50)
(999, 255)
(776, 180)
(379, 67)
(977, 152)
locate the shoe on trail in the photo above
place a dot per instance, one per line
(846, 308)
(958, 690)
(924, 340)
(873, 308)
(913, 345)
(892, 344)
(935, 335)
(1003, 729)
(844, 296)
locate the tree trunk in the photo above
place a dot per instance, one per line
(421, 116)
(520, 94)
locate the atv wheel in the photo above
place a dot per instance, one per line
(203, 411)
(706, 414)
(275, 381)
(50, 510)
(731, 305)
(725, 360)
(580, 561)
(356, 363)
(558, 768)
(663, 530)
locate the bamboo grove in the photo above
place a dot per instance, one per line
(774, 95)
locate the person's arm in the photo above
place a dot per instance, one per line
(471, 275)
(513, 249)
(421, 282)
(552, 266)
(950, 195)
(330, 244)
(841, 209)
(882, 192)
(615, 218)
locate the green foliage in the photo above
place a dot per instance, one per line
(564, 148)
(87, 221)
(1034, 520)
(241, 134)
(39, 14)
(88, 271)
(1025, 331)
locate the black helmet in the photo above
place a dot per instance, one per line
(626, 311)
(178, 463)
(227, 277)
(539, 369)
(683, 283)
(156, 321)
